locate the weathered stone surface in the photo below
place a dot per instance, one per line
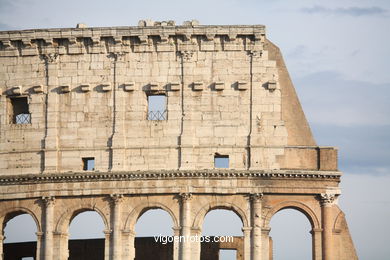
(227, 92)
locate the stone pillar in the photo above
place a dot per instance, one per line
(1, 246)
(176, 233)
(185, 246)
(117, 140)
(39, 244)
(196, 247)
(247, 242)
(256, 209)
(327, 220)
(128, 247)
(61, 246)
(116, 224)
(48, 227)
(50, 149)
(266, 244)
(316, 243)
(107, 244)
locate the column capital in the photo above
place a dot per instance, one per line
(50, 57)
(255, 54)
(316, 230)
(256, 197)
(186, 55)
(327, 199)
(48, 200)
(39, 234)
(176, 228)
(116, 198)
(185, 196)
(107, 231)
(116, 55)
(266, 230)
(246, 229)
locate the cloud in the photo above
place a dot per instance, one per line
(352, 11)
(330, 99)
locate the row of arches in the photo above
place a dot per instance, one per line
(88, 224)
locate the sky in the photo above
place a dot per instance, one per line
(338, 55)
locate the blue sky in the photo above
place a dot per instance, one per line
(338, 55)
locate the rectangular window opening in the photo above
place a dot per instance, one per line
(221, 161)
(27, 258)
(88, 163)
(157, 107)
(227, 254)
(20, 111)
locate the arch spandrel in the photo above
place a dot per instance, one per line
(15, 208)
(12, 212)
(297, 205)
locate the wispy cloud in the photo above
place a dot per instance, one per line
(352, 11)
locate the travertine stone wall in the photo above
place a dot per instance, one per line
(227, 92)
(87, 91)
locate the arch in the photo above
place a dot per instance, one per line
(301, 207)
(137, 212)
(67, 216)
(200, 216)
(12, 212)
(339, 220)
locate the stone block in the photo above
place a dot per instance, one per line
(128, 86)
(197, 86)
(106, 87)
(174, 86)
(219, 85)
(85, 87)
(39, 89)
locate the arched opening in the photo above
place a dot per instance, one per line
(223, 237)
(20, 237)
(86, 236)
(290, 235)
(154, 235)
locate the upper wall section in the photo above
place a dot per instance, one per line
(131, 39)
(150, 98)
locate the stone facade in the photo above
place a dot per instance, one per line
(71, 96)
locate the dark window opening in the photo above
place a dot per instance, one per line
(221, 161)
(157, 107)
(89, 164)
(20, 111)
(227, 254)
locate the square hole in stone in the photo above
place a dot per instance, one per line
(221, 161)
(88, 163)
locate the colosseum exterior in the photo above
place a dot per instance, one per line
(76, 97)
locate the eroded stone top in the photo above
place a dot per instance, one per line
(145, 28)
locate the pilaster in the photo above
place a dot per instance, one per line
(256, 208)
(116, 200)
(327, 202)
(48, 227)
(185, 246)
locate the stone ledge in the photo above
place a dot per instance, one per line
(119, 39)
(138, 175)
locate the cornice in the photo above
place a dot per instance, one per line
(174, 174)
(70, 41)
